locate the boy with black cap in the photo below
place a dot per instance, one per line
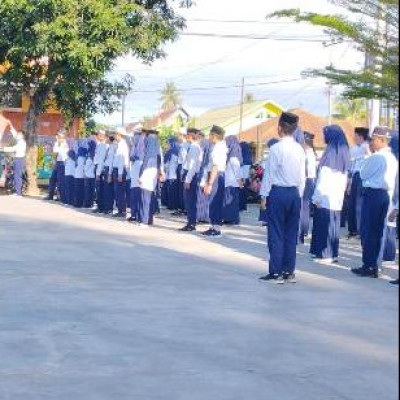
(215, 186)
(359, 153)
(287, 177)
(379, 175)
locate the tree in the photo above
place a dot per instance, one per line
(249, 98)
(353, 110)
(66, 47)
(379, 79)
(170, 98)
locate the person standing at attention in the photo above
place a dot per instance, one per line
(215, 186)
(378, 175)
(61, 150)
(287, 177)
(99, 161)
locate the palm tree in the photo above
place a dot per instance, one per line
(353, 110)
(170, 98)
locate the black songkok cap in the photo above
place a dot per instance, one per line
(364, 132)
(217, 130)
(289, 118)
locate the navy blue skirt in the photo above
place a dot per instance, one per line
(173, 195)
(231, 211)
(203, 206)
(217, 200)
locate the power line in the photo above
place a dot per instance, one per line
(224, 21)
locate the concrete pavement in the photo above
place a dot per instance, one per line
(95, 309)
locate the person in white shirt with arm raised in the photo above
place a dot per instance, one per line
(287, 178)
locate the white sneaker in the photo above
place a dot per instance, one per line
(325, 261)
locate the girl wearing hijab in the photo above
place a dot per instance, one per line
(149, 175)
(329, 196)
(266, 184)
(80, 178)
(90, 177)
(311, 174)
(203, 204)
(171, 171)
(233, 181)
(247, 163)
(136, 157)
(70, 166)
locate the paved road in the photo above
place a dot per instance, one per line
(94, 309)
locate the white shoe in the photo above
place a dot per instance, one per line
(325, 261)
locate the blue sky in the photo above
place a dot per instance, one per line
(204, 62)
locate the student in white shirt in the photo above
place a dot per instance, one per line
(287, 181)
(233, 181)
(171, 175)
(379, 174)
(215, 186)
(329, 196)
(359, 153)
(61, 149)
(136, 158)
(246, 167)
(90, 177)
(184, 145)
(70, 167)
(192, 168)
(79, 186)
(311, 174)
(120, 172)
(99, 161)
(19, 151)
(109, 194)
(150, 173)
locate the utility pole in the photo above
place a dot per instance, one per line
(242, 106)
(123, 109)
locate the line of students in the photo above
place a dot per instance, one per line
(200, 177)
(373, 186)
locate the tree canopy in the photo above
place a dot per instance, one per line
(380, 77)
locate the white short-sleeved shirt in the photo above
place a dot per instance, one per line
(90, 169)
(219, 156)
(233, 173)
(61, 149)
(70, 166)
(80, 168)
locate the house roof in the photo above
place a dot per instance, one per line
(308, 122)
(163, 116)
(229, 115)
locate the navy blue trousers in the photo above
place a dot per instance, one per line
(53, 183)
(79, 190)
(128, 192)
(109, 195)
(90, 192)
(135, 202)
(231, 211)
(120, 191)
(164, 194)
(19, 166)
(203, 206)
(180, 188)
(243, 197)
(390, 248)
(100, 192)
(191, 201)
(283, 229)
(326, 233)
(61, 181)
(305, 219)
(173, 194)
(355, 205)
(70, 190)
(374, 213)
(217, 200)
(147, 207)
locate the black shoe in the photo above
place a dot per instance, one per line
(269, 277)
(290, 278)
(119, 215)
(212, 234)
(188, 228)
(396, 282)
(107, 212)
(352, 236)
(177, 214)
(367, 273)
(132, 220)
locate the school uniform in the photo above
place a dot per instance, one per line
(378, 176)
(359, 154)
(109, 194)
(233, 175)
(192, 170)
(137, 156)
(171, 163)
(61, 149)
(311, 174)
(183, 151)
(90, 183)
(79, 182)
(219, 156)
(245, 169)
(203, 204)
(19, 151)
(99, 160)
(120, 169)
(70, 167)
(284, 193)
(150, 170)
